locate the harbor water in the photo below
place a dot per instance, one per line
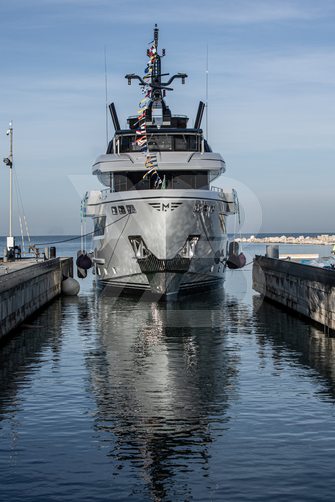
(217, 396)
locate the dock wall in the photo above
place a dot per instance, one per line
(308, 290)
(24, 291)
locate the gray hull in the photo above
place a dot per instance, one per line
(162, 242)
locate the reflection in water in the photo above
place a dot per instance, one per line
(211, 397)
(21, 353)
(161, 384)
(20, 356)
(290, 337)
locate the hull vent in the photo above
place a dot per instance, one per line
(153, 264)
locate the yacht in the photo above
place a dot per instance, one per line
(160, 222)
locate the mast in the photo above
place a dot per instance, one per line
(157, 109)
(156, 76)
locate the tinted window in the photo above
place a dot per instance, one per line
(120, 182)
(181, 143)
(131, 181)
(110, 148)
(173, 179)
(99, 225)
(162, 143)
(128, 144)
(187, 179)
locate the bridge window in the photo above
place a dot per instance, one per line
(187, 180)
(161, 143)
(171, 179)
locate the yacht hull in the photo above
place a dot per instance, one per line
(161, 243)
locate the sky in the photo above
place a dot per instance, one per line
(271, 108)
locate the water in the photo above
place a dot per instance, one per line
(215, 397)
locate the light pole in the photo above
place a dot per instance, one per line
(9, 162)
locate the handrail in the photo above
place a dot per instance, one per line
(105, 192)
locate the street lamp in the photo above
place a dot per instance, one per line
(9, 162)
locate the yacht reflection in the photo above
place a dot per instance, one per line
(292, 337)
(163, 376)
(20, 354)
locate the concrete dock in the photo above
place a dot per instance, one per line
(26, 286)
(305, 289)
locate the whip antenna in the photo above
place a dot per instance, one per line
(207, 92)
(106, 97)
